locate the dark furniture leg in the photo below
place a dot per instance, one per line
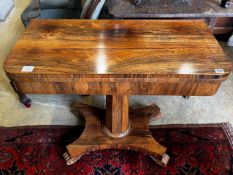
(225, 3)
(137, 2)
(22, 97)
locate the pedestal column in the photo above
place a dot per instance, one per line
(117, 123)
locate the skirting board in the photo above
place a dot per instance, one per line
(5, 8)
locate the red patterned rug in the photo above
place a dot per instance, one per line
(194, 150)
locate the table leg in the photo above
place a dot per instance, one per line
(22, 97)
(225, 3)
(116, 132)
(137, 2)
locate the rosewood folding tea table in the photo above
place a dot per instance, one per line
(117, 58)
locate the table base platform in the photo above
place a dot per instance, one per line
(94, 138)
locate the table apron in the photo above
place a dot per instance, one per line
(125, 88)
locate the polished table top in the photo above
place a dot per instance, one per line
(117, 49)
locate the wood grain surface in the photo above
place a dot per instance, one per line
(117, 111)
(117, 48)
(140, 138)
(160, 57)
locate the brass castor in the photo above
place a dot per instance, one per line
(163, 161)
(69, 160)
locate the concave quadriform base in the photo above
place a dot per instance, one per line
(139, 138)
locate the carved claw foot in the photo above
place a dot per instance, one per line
(69, 160)
(163, 161)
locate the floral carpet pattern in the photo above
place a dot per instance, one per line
(194, 150)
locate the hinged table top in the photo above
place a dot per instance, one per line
(117, 49)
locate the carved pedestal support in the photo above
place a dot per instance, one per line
(139, 139)
(117, 123)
